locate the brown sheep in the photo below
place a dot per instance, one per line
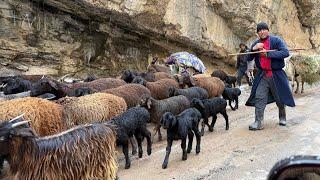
(213, 85)
(158, 68)
(163, 75)
(45, 117)
(84, 152)
(91, 108)
(46, 85)
(131, 93)
(158, 89)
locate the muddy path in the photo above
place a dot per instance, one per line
(238, 153)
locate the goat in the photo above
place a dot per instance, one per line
(84, 152)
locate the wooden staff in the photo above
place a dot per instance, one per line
(256, 52)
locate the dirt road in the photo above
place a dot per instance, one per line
(238, 153)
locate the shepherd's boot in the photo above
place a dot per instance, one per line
(258, 123)
(282, 116)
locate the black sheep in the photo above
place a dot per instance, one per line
(16, 85)
(129, 75)
(219, 74)
(82, 91)
(190, 93)
(131, 123)
(211, 107)
(231, 80)
(90, 78)
(179, 127)
(232, 94)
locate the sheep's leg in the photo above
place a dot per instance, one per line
(190, 137)
(159, 133)
(225, 115)
(146, 133)
(302, 86)
(233, 109)
(139, 140)
(292, 83)
(297, 90)
(204, 122)
(237, 102)
(1, 163)
(183, 147)
(213, 122)
(133, 145)
(157, 130)
(198, 138)
(168, 150)
(125, 151)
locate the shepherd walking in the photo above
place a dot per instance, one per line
(271, 83)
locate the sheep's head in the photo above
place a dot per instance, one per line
(146, 102)
(44, 85)
(15, 85)
(13, 128)
(171, 91)
(81, 92)
(197, 103)
(90, 78)
(139, 80)
(127, 76)
(185, 79)
(168, 120)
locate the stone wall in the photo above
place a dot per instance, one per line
(106, 36)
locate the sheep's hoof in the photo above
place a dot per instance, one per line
(296, 92)
(188, 150)
(134, 152)
(197, 149)
(127, 166)
(140, 154)
(184, 157)
(227, 128)
(202, 132)
(164, 166)
(149, 151)
(211, 129)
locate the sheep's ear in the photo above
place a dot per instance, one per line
(53, 84)
(174, 121)
(201, 104)
(149, 102)
(192, 81)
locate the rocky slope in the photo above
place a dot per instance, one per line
(106, 36)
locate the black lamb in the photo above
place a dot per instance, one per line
(211, 107)
(190, 93)
(129, 75)
(179, 127)
(131, 123)
(231, 80)
(232, 94)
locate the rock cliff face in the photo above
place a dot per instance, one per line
(106, 36)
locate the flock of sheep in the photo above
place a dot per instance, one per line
(55, 130)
